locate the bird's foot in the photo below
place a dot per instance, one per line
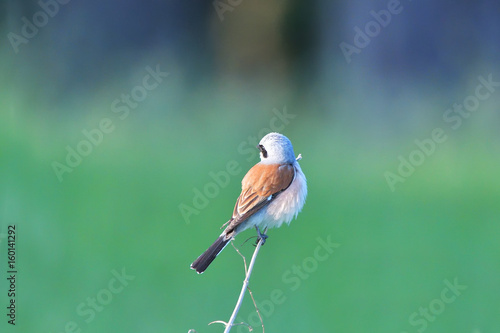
(261, 236)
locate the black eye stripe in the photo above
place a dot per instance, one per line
(263, 151)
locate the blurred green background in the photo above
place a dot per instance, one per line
(234, 71)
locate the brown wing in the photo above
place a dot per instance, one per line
(259, 187)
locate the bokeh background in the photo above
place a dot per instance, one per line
(233, 67)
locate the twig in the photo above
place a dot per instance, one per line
(241, 255)
(243, 289)
(225, 324)
(248, 288)
(256, 309)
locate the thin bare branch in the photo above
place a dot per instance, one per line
(244, 288)
(256, 309)
(244, 259)
(248, 288)
(250, 328)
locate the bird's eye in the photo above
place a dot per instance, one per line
(263, 150)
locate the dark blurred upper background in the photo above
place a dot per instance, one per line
(265, 52)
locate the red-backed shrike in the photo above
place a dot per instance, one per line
(272, 192)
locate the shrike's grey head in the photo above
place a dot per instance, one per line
(276, 148)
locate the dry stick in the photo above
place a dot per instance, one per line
(243, 289)
(241, 255)
(257, 310)
(248, 288)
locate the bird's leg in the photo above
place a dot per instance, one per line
(260, 236)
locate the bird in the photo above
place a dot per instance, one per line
(272, 192)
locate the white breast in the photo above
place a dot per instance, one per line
(288, 203)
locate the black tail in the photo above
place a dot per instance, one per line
(203, 261)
